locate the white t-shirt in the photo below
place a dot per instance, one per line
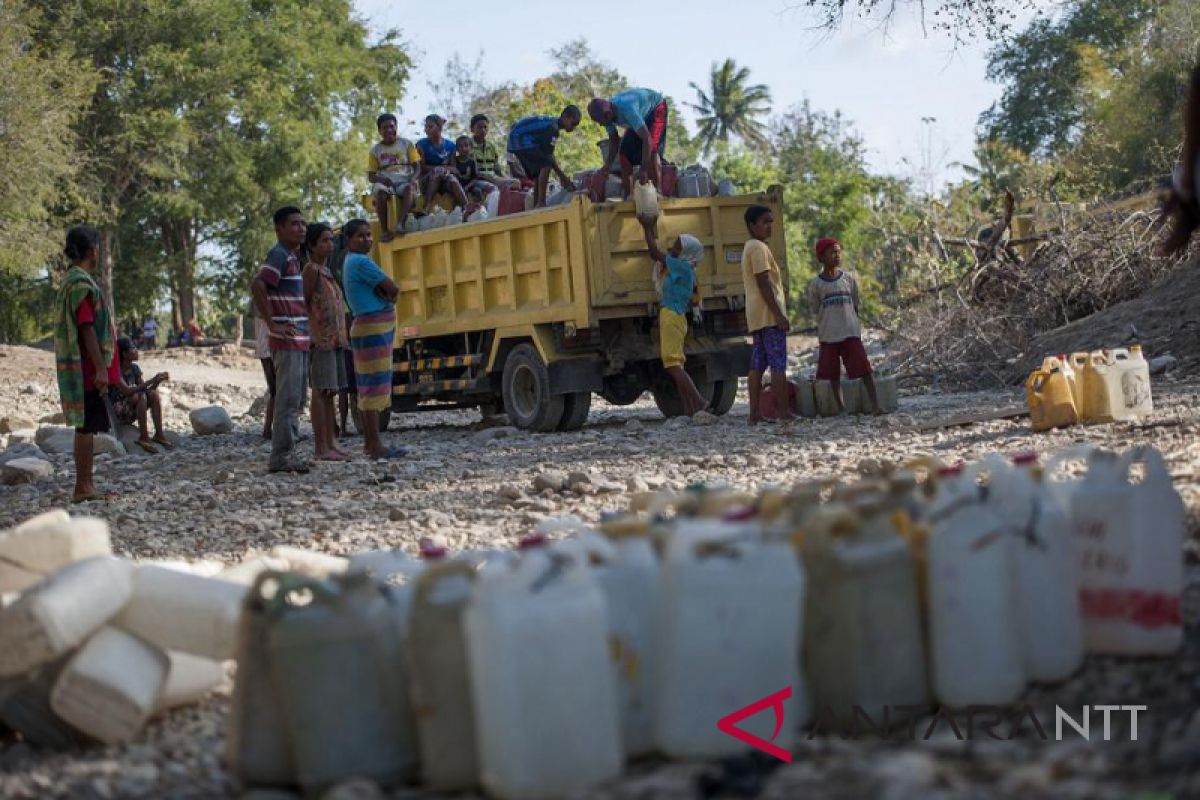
(150, 329)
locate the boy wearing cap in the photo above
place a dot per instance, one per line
(833, 298)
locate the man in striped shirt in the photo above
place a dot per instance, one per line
(278, 291)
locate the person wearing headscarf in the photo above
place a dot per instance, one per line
(678, 285)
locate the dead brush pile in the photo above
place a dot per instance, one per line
(973, 331)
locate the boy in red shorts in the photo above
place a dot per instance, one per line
(833, 297)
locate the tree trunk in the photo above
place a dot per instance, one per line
(179, 244)
(106, 270)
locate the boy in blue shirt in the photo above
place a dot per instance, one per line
(680, 281)
(533, 139)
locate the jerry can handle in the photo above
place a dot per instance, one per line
(1036, 380)
(841, 522)
(289, 583)
(1156, 465)
(429, 578)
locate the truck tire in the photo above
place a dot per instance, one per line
(723, 396)
(669, 403)
(575, 410)
(621, 391)
(525, 386)
(385, 418)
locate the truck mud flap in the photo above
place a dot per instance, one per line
(725, 364)
(572, 375)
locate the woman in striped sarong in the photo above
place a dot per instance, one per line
(372, 296)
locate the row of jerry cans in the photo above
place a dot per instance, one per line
(986, 578)
(809, 397)
(533, 674)
(1101, 386)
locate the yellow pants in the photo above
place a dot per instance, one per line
(672, 331)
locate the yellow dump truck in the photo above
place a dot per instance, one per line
(533, 313)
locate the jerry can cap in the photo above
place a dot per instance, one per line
(1026, 458)
(531, 541)
(950, 472)
(433, 552)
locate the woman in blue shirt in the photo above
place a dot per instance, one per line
(437, 166)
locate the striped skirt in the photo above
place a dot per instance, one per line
(371, 337)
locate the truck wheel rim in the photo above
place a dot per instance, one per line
(524, 391)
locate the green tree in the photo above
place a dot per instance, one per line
(40, 165)
(732, 106)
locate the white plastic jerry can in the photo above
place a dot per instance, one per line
(257, 745)
(729, 635)
(189, 679)
(628, 574)
(645, 199)
(440, 685)
(1135, 382)
(108, 690)
(863, 644)
(25, 707)
(60, 612)
(1045, 580)
(310, 562)
(336, 666)
(1128, 541)
(545, 704)
(40, 545)
(975, 640)
(177, 611)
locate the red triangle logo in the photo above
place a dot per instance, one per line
(775, 701)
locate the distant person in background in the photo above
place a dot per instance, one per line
(486, 156)
(327, 326)
(135, 398)
(1183, 203)
(437, 166)
(766, 315)
(278, 291)
(643, 113)
(262, 351)
(533, 139)
(85, 355)
(150, 333)
(195, 335)
(834, 301)
(372, 297)
(392, 167)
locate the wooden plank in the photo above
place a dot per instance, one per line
(1011, 412)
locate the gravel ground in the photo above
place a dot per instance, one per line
(474, 486)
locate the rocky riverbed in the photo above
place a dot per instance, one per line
(482, 484)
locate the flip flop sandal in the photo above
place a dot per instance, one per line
(147, 446)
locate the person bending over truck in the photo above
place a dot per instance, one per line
(486, 156)
(437, 166)
(532, 141)
(833, 298)
(680, 263)
(392, 166)
(643, 112)
(766, 317)
(372, 297)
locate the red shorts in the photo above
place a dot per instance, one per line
(849, 352)
(631, 143)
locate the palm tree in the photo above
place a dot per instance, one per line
(731, 106)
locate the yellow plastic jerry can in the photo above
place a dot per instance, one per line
(1100, 389)
(1048, 394)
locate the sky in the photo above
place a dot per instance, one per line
(914, 99)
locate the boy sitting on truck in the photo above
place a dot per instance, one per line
(833, 297)
(468, 172)
(487, 158)
(392, 165)
(680, 281)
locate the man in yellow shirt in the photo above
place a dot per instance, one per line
(766, 317)
(392, 166)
